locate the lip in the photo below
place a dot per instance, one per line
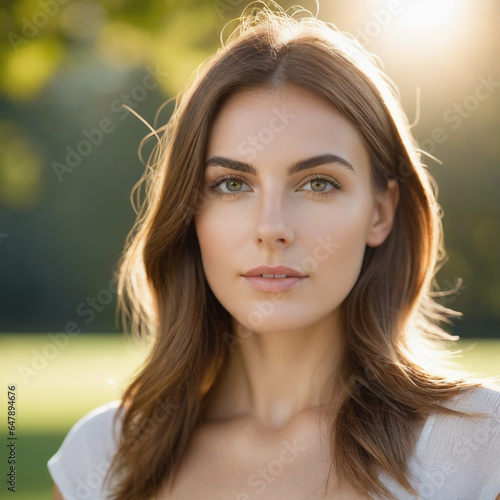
(256, 281)
(264, 269)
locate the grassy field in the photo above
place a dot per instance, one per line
(59, 379)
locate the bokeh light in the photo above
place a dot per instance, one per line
(29, 69)
(20, 168)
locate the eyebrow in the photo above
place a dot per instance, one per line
(315, 161)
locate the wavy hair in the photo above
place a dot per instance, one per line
(388, 318)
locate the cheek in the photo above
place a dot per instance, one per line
(346, 224)
(218, 237)
(337, 246)
(216, 229)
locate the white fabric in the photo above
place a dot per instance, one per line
(455, 458)
(79, 466)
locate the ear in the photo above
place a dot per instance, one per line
(383, 215)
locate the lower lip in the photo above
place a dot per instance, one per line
(273, 284)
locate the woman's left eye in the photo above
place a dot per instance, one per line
(319, 184)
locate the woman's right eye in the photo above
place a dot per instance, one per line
(230, 183)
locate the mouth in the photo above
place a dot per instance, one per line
(273, 283)
(274, 272)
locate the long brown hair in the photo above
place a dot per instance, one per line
(163, 292)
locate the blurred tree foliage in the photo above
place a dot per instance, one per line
(66, 68)
(44, 35)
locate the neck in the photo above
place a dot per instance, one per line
(274, 377)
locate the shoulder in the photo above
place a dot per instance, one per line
(482, 399)
(458, 456)
(474, 432)
(80, 464)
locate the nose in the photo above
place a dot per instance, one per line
(273, 227)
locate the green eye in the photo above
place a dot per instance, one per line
(229, 185)
(230, 182)
(319, 185)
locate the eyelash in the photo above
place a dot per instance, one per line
(214, 186)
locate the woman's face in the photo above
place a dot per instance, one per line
(287, 182)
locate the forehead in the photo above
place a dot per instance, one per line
(283, 124)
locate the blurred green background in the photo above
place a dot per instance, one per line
(68, 161)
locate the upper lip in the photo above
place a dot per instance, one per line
(257, 271)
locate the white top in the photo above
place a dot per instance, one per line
(454, 459)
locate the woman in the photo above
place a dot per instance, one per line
(284, 264)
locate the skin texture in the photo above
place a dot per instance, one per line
(292, 341)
